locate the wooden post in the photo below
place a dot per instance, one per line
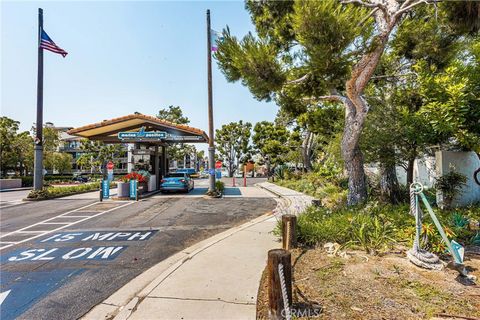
(211, 144)
(245, 175)
(289, 233)
(275, 297)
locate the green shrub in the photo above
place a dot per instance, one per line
(219, 186)
(319, 225)
(27, 181)
(450, 185)
(375, 227)
(373, 233)
(59, 178)
(55, 192)
(332, 192)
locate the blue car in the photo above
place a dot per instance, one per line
(176, 182)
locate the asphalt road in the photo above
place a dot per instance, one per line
(99, 247)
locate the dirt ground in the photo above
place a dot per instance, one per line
(378, 287)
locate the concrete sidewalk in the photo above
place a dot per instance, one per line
(217, 278)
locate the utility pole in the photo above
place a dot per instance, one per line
(211, 146)
(38, 164)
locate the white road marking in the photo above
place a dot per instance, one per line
(39, 231)
(42, 233)
(56, 222)
(3, 296)
(11, 203)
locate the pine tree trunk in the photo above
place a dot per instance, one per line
(352, 155)
(389, 188)
(410, 167)
(307, 151)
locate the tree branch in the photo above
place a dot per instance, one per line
(361, 2)
(367, 16)
(299, 80)
(394, 75)
(333, 98)
(409, 5)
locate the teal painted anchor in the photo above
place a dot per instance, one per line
(456, 250)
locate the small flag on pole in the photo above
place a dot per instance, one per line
(215, 36)
(48, 44)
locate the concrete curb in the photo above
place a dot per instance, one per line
(16, 189)
(124, 301)
(269, 190)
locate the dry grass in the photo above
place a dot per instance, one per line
(372, 287)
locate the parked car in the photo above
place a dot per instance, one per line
(80, 178)
(176, 182)
(190, 171)
(238, 174)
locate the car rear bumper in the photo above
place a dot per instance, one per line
(173, 188)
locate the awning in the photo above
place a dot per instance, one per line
(145, 129)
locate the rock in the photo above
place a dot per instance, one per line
(331, 248)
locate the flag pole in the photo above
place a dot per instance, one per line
(38, 164)
(211, 145)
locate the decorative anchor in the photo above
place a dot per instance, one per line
(424, 258)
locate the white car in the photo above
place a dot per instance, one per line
(238, 174)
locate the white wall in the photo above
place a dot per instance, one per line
(465, 163)
(423, 172)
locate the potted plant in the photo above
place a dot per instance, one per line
(142, 180)
(123, 187)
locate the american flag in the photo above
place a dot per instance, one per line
(48, 44)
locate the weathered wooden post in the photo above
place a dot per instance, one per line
(289, 233)
(279, 285)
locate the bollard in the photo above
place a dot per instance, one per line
(233, 182)
(245, 179)
(289, 232)
(101, 194)
(276, 308)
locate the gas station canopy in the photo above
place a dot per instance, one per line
(138, 127)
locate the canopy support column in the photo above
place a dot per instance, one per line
(156, 167)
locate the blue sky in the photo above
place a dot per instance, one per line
(123, 57)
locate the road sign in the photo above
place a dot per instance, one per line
(142, 152)
(218, 165)
(106, 189)
(183, 138)
(211, 172)
(133, 189)
(110, 167)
